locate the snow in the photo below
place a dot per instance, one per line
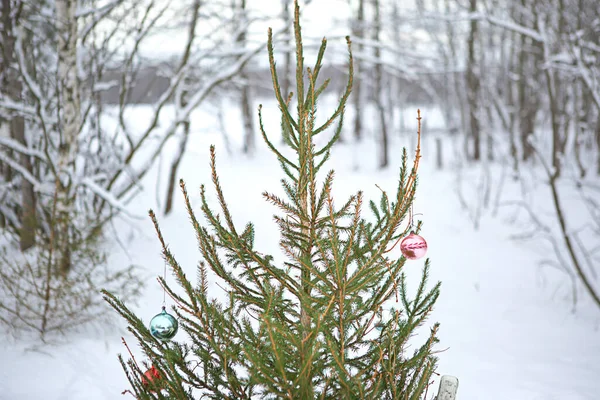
(22, 170)
(109, 198)
(507, 326)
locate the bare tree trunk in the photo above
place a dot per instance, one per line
(383, 138)
(488, 60)
(69, 124)
(245, 99)
(395, 99)
(598, 144)
(579, 128)
(559, 99)
(247, 117)
(182, 102)
(223, 128)
(473, 85)
(6, 46)
(175, 166)
(527, 111)
(528, 101)
(4, 169)
(438, 153)
(581, 108)
(358, 32)
(511, 59)
(28, 199)
(453, 80)
(14, 88)
(551, 86)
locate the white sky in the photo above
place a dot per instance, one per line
(320, 18)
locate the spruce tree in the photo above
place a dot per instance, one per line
(311, 327)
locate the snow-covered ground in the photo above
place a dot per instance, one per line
(505, 335)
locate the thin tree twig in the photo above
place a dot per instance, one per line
(552, 178)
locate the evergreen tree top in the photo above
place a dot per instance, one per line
(310, 327)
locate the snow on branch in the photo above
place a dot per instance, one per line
(143, 30)
(100, 10)
(590, 46)
(224, 75)
(404, 71)
(98, 14)
(30, 82)
(22, 170)
(183, 114)
(392, 49)
(510, 25)
(108, 197)
(104, 86)
(585, 76)
(16, 146)
(18, 107)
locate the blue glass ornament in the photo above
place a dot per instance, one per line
(163, 326)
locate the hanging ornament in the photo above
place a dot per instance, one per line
(413, 246)
(152, 377)
(381, 320)
(163, 326)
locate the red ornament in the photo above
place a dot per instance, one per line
(413, 246)
(151, 377)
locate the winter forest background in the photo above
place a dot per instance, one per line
(105, 104)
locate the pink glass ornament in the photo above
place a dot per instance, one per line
(413, 246)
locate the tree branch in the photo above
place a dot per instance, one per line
(552, 178)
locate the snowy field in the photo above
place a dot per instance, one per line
(506, 330)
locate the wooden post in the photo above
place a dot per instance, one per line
(438, 152)
(448, 388)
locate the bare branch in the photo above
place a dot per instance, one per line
(552, 177)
